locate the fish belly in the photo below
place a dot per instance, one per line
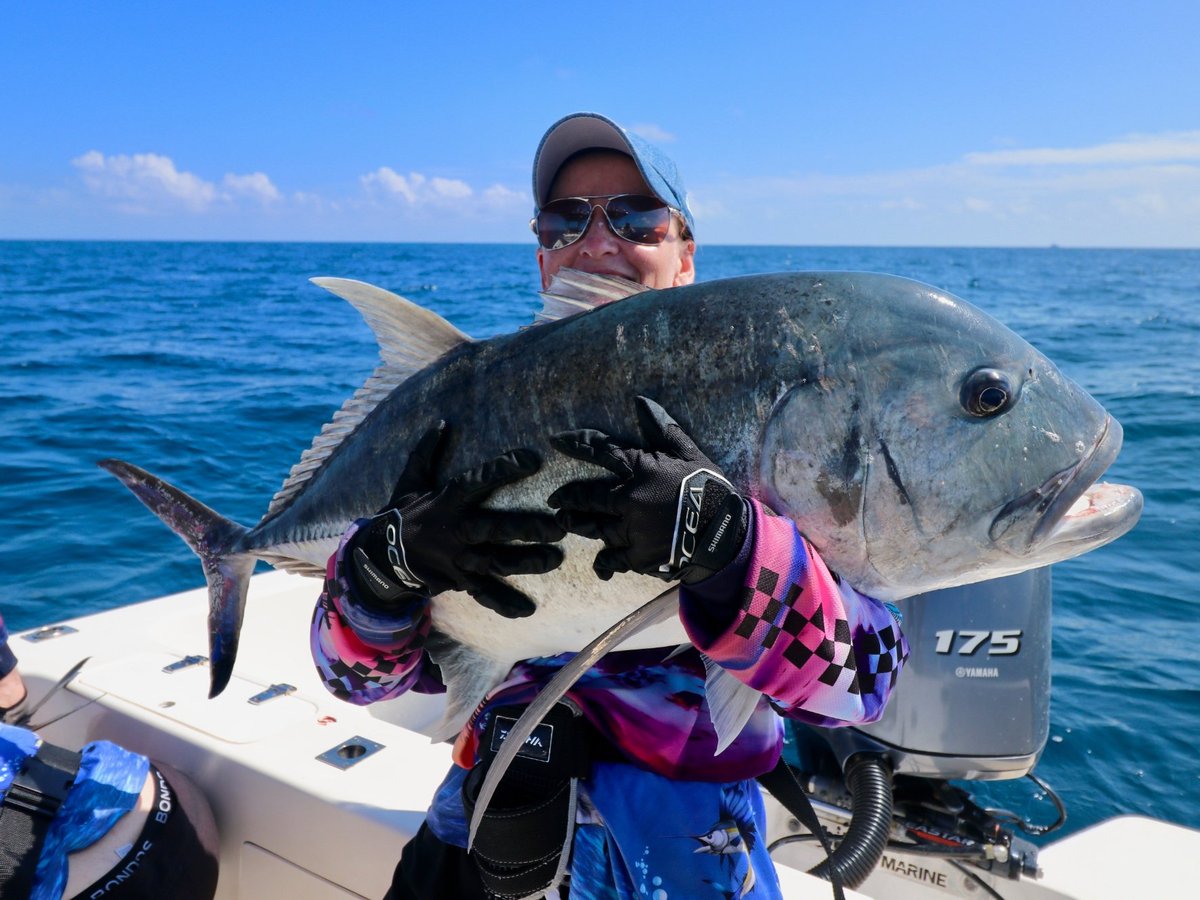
(573, 608)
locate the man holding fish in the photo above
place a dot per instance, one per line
(629, 781)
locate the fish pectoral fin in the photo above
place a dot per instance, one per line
(572, 291)
(730, 703)
(468, 676)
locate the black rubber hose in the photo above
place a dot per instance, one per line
(869, 778)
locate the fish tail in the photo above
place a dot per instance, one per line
(213, 538)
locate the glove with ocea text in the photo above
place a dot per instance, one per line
(431, 538)
(670, 513)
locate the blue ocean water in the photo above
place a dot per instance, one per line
(214, 364)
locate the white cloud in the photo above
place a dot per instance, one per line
(391, 182)
(450, 188)
(503, 198)
(151, 183)
(706, 207)
(256, 185)
(1134, 149)
(415, 188)
(151, 195)
(143, 180)
(311, 202)
(1136, 190)
(1141, 190)
(653, 133)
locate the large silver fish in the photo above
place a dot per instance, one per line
(917, 442)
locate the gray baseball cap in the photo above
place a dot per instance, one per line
(587, 131)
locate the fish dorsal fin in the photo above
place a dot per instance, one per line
(410, 338)
(572, 291)
(730, 703)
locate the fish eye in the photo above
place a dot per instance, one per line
(987, 393)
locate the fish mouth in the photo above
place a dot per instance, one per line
(1071, 511)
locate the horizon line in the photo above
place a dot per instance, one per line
(532, 245)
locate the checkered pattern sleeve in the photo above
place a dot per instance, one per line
(821, 651)
(363, 655)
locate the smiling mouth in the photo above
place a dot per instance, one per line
(1070, 506)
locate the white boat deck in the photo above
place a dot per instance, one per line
(291, 825)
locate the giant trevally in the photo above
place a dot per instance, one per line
(917, 442)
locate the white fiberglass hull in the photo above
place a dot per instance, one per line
(295, 826)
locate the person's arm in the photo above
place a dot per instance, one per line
(755, 596)
(371, 621)
(364, 653)
(782, 623)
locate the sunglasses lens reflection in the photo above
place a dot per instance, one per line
(562, 222)
(633, 217)
(643, 220)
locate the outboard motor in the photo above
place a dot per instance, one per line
(974, 700)
(973, 704)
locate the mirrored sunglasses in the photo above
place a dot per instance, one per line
(637, 218)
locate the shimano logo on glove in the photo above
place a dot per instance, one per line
(720, 533)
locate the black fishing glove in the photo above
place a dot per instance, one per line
(671, 513)
(431, 538)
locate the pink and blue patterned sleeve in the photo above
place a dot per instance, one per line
(364, 655)
(822, 652)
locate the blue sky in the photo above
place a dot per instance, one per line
(869, 123)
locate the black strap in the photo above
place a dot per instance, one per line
(29, 806)
(519, 852)
(786, 788)
(526, 833)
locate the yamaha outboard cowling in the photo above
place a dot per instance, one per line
(974, 698)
